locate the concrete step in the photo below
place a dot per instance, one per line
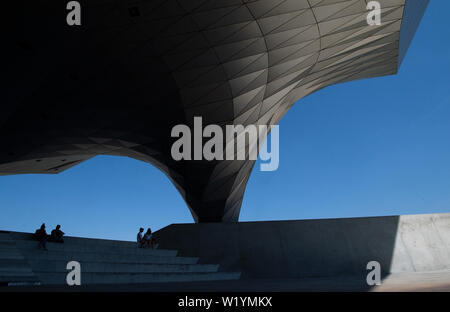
(8, 265)
(71, 247)
(18, 279)
(10, 254)
(102, 262)
(5, 235)
(108, 267)
(8, 262)
(13, 266)
(6, 241)
(127, 278)
(7, 244)
(17, 275)
(10, 249)
(18, 236)
(54, 255)
(16, 272)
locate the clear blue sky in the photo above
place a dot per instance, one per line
(366, 148)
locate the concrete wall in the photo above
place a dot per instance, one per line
(309, 248)
(422, 243)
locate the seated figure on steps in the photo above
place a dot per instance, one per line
(41, 236)
(139, 238)
(56, 235)
(148, 239)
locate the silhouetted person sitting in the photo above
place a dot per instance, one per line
(41, 236)
(148, 239)
(57, 234)
(139, 238)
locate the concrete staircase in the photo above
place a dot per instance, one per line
(102, 262)
(14, 268)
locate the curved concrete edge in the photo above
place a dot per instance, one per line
(412, 16)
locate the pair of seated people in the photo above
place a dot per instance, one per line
(42, 236)
(145, 240)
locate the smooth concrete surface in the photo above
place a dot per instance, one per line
(416, 281)
(317, 248)
(59, 278)
(422, 243)
(396, 282)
